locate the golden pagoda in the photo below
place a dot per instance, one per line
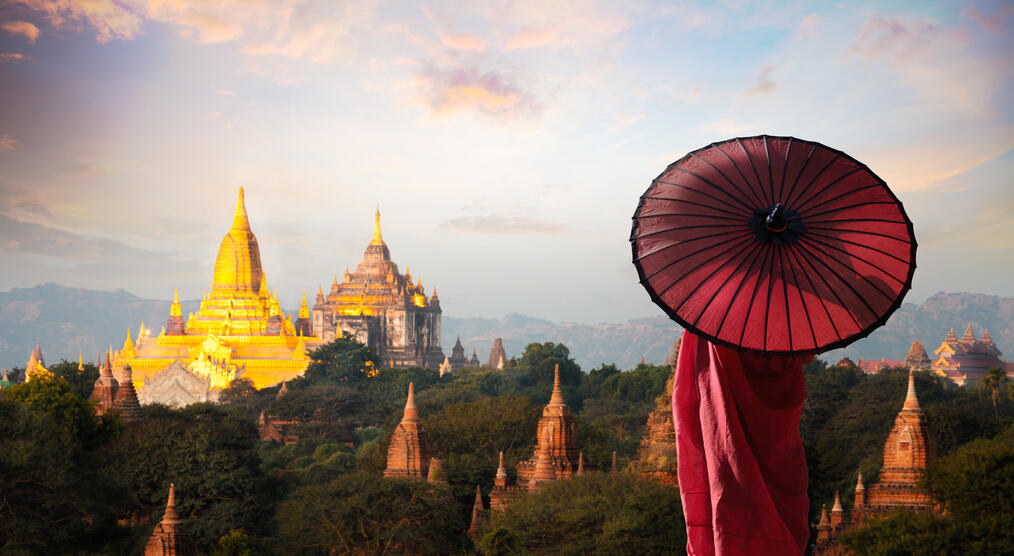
(239, 329)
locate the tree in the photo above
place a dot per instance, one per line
(342, 360)
(533, 372)
(597, 513)
(81, 382)
(363, 513)
(975, 486)
(209, 454)
(54, 496)
(994, 379)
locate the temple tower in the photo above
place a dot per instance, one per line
(169, 537)
(544, 470)
(907, 452)
(104, 393)
(478, 515)
(656, 456)
(555, 434)
(497, 355)
(408, 455)
(36, 369)
(916, 359)
(458, 360)
(126, 398)
(383, 309)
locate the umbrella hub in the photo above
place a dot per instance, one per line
(777, 225)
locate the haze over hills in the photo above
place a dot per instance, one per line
(69, 321)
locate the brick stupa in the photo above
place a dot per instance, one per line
(408, 455)
(556, 435)
(126, 398)
(497, 355)
(169, 538)
(656, 456)
(104, 393)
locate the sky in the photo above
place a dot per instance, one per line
(506, 143)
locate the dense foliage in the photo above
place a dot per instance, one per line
(72, 480)
(597, 513)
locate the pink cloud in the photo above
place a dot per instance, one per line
(463, 42)
(8, 143)
(532, 38)
(23, 28)
(110, 19)
(995, 22)
(899, 38)
(468, 89)
(13, 57)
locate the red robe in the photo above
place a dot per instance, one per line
(742, 469)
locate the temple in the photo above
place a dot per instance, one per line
(408, 454)
(555, 441)
(239, 329)
(908, 450)
(169, 537)
(497, 355)
(104, 392)
(383, 309)
(36, 367)
(656, 456)
(965, 360)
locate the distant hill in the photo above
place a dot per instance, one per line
(68, 321)
(929, 322)
(590, 344)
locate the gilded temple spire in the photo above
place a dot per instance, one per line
(378, 239)
(174, 309)
(240, 221)
(304, 311)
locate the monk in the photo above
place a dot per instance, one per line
(742, 469)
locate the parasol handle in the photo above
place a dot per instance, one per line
(775, 221)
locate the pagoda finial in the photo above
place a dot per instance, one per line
(501, 471)
(80, 362)
(613, 470)
(240, 221)
(969, 336)
(170, 507)
(411, 411)
(557, 397)
(824, 521)
(304, 311)
(837, 504)
(911, 401)
(378, 239)
(174, 309)
(860, 487)
(986, 339)
(951, 336)
(580, 463)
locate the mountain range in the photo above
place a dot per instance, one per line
(70, 321)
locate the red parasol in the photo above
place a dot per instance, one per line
(773, 244)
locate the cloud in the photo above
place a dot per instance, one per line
(995, 22)
(623, 119)
(13, 57)
(898, 38)
(316, 30)
(489, 93)
(764, 84)
(8, 143)
(35, 239)
(810, 25)
(499, 224)
(225, 92)
(18, 203)
(110, 19)
(23, 28)
(556, 26)
(535, 38)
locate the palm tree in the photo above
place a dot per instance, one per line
(994, 379)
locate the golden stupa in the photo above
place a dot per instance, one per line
(238, 331)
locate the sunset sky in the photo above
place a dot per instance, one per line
(505, 142)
